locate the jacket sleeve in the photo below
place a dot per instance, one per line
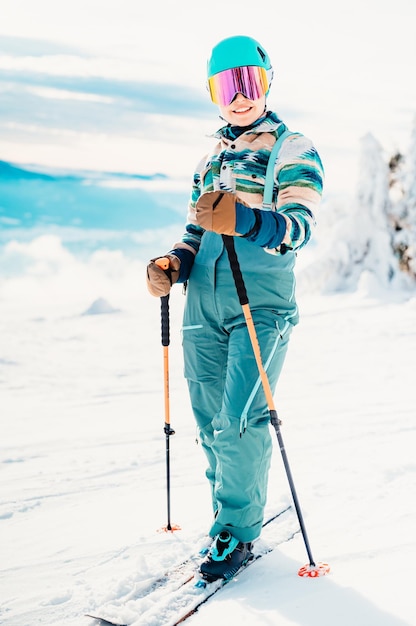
(188, 246)
(193, 232)
(299, 177)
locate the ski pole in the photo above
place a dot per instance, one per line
(165, 328)
(313, 569)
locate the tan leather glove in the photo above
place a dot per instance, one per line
(160, 278)
(216, 211)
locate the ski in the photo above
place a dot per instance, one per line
(205, 591)
(178, 594)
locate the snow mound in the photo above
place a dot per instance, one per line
(100, 307)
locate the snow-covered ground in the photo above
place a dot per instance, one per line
(82, 447)
(82, 464)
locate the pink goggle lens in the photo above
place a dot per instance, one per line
(250, 80)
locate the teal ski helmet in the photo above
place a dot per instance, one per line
(237, 51)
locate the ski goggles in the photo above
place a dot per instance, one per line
(252, 81)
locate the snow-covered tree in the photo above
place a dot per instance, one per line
(374, 207)
(403, 216)
(375, 235)
(354, 237)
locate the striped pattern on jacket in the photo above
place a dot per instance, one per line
(238, 165)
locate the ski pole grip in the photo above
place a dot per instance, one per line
(164, 307)
(235, 269)
(163, 262)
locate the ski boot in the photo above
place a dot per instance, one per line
(226, 556)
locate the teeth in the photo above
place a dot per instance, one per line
(242, 110)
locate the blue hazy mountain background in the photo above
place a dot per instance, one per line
(30, 198)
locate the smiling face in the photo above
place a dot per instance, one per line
(242, 111)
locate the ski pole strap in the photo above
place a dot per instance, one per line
(269, 182)
(164, 307)
(235, 269)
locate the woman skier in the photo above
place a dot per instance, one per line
(227, 398)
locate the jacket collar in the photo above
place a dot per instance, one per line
(269, 123)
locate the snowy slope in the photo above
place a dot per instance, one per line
(82, 448)
(82, 464)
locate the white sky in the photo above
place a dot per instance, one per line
(340, 70)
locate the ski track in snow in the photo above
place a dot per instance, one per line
(82, 465)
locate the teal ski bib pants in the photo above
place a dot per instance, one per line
(225, 389)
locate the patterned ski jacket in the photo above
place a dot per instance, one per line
(238, 164)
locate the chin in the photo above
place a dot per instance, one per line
(244, 120)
